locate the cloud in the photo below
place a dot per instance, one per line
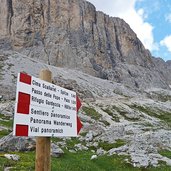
(135, 18)
(168, 18)
(166, 42)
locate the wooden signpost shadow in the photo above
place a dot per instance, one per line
(43, 144)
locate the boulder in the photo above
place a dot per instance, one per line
(12, 143)
(56, 151)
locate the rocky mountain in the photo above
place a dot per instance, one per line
(73, 34)
(117, 120)
(124, 90)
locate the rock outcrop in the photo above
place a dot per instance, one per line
(73, 34)
(164, 68)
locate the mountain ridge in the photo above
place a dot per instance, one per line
(72, 34)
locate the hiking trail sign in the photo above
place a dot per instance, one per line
(43, 109)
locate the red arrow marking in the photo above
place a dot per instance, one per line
(25, 78)
(79, 125)
(21, 130)
(78, 103)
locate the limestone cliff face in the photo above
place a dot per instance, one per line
(164, 68)
(73, 34)
(6, 13)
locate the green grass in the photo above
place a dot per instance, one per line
(56, 139)
(81, 162)
(106, 123)
(165, 153)
(6, 121)
(5, 163)
(162, 115)
(4, 133)
(4, 117)
(91, 112)
(26, 162)
(159, 96)
(7, 124)
(83, 134)
(71, 142)
(109, 112)
(77, 162)
(125, 114)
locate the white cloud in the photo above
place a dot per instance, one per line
(166, 42)
(136, 19)
(168, 18)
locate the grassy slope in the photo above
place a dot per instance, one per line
(162, 115)
(79, 161)
(5, 122)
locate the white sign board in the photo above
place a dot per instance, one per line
(44, 109)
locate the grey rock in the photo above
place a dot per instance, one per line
(80, 147)
(93, 157)
(118, 150)
(72, 85)
(12, 157)
(7, 108)
(3, 128)
(56, 151)
(72, 151)
(89, 136)
(139, 160)
(116, 131)
(100, 152)
(7, 168)
(95, 144)
(12, 143)
(167, 160)
(61, 144)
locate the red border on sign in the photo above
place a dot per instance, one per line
(23, 106)
(25, 78)
(21, 130)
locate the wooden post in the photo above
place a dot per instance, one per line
(43, 144)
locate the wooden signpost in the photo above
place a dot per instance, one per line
(44, 110)
(43, 144)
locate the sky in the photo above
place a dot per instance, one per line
(150, 20)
